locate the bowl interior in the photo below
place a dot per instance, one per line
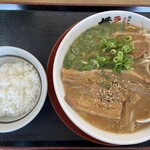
(111, 16)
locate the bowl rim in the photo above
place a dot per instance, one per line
(56, 81)
(15, 51)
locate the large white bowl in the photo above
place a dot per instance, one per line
(119, 139)
(17, 52)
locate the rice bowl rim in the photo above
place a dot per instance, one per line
(124, 139)
(18, 52)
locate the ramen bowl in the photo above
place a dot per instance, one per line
(91, 21)
(23, 88)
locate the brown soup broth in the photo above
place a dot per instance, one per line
(81, 57)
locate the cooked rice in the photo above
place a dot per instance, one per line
(19, 88)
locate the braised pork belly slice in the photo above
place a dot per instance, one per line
(95, 106)
(135, 35)
(88, 91)
(101, 93)
(140, 47)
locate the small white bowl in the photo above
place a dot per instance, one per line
(10, 54)
(112, 138)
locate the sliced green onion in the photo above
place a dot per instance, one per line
(126, 49)
(86, 68)
(102, 59)
(111, 45)
(120, 56)
(117, 68)
(104, 50)
(113, 51)
(84, 62)
(115, 59)
(128, 62)
(103, 42)
(71, 57)
(75, 51)
(96, 64)
(127, 66)
(129, 38)
(110, 53)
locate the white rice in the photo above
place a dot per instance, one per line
(19, 88)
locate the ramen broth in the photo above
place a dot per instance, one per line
(104, 57)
